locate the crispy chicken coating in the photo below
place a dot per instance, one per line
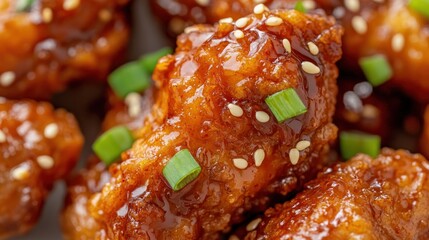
(364, 198)
(38, 145)
(57, 41)
(211, 101)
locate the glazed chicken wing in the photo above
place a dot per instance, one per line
(382, 198)
(47, 44)
(211, 101)
(38, 145)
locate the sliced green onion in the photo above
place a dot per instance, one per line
(129, 78)
(286, 104)
(112, 143)
(352, 143)
(23, 5)
(299, 6)
(420, 6)
(181, 170)
(150, 60)
(376, 69)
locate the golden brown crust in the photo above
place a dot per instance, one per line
(44, 56)
(25, 175)
(364, 198)
(211, 69)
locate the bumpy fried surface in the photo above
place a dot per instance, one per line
(210, 70)
(424, 143)
(25, 179)
(47, 47)
(364, 198)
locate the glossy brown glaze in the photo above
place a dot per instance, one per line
(210, 70)
(47, 47)
(364, 198)
(424, 142)
(25, 178)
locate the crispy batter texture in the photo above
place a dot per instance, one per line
(44, 56)
(210, 70)
(23, 123)
(364, 198)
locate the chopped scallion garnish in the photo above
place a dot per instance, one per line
(150, 60)
(376, 69)
(420, 6)
(352, 143)
(181, 170)
(112, 143)
(286, 104)
(299, 6)
(23, 5)
(129, 78)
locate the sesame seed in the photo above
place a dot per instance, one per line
(234, 237)
(313, 48)
(235, 110)
(45, 162)
(2, 137)
(238, 34)
(352, 5)
(259, 157)
(51, 130)
(259, 9)
(262, 116)
(310, 67)
(294, 156)
(7, 78)
(71, 4)
(240, 163)
(47, 15)
(339, 12)
(204, 3)
(302, 145)
(352, 102)
(398, 42)
(242, 22)
(105, 15)
(363, 89)
(359, 24)
(21, 172)
(133, 103)
(226, 20)
(286, 45)
(309, 4)
(253, 224)
(273, 21)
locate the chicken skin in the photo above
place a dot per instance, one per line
(210, 101)
(38, 145)
(364, 198)
(46, 45)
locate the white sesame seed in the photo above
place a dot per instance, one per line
(242, 22)
(234, 237)
(21, 172)
(259, 157)
(262, 116)
(309, 4)
(235, 110)
(287, 45)
(259, 9)
(313, 48)
(226, 20)
(45, 162)
(133, 103)
(2, 137)
(294, 156)
(339, 12)
(7, 78)
(352, 5)
(51, 130)
(105, 15)
(240, 163)
(273, 21)
(253, 224)
(363, 89)
(359, 24)
(70, 4)
(203, 3)
(47, 15)
(398, 41)
(238, 34)
(310, 67)
(302, 145)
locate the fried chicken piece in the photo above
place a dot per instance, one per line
(38, 145)
(211, 95)
(364, 198)
(57, 41)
